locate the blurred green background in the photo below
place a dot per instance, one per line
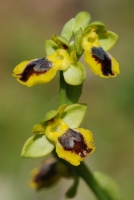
(25, 25)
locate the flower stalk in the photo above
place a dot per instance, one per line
(85, 173)
(67, 96)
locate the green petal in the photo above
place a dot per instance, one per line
(74, 114)
(67, 30)
(37, 146)
(38, 128)
(107, 39)
(82, 20)
(61, 110)
(50, 115)
(75, 74)
(50, 47)
(53, 113)
(61, 41)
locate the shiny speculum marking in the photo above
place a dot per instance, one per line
(104, 59)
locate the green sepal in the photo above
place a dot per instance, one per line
(61, 42)
(37, 146)
(75, 74)
(67, 31)
(82, 20)
(108, 185)
(74, 114)
(61, 110)
(77, 41)
(50, 47)
(72, 191)
(107, 39)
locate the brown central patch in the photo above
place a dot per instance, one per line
(103, 58)
(39, 66)
(73, 141)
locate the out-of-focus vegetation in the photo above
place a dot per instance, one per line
(24, 27)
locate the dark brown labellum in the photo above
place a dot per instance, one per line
(39, 66)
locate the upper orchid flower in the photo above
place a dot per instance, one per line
(99, 60)
(41, 70)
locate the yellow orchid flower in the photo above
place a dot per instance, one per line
(100, 61)
(41, 70)
(46, 175)
(72, 145)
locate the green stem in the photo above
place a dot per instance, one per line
(70, 94)
(62, 99)
(83, 171)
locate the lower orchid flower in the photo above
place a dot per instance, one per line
(59, 129)
(72, 145)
